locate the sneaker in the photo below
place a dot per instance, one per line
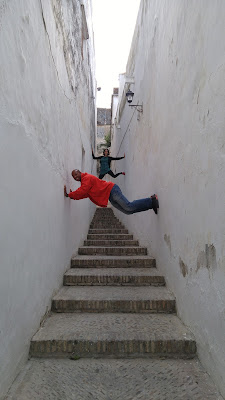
(123, 173)
(155, 202)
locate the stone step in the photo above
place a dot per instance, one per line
(114, 299)
(105, 210)
(109, 237)
(114, 379)
(110, 251)
(113, 277)
(113, 335)
(104, 225)
(112, 261)
(108, 231)
(103, 219)
(111, 243)
(108, 222)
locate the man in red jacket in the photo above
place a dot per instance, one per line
(99, 192)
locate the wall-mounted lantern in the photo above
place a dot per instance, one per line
(130, 95)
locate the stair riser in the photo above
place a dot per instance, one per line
(111, 243)
(109, 251)
(109, 237)
(106, 223)
(116, 263)
(108, 231)
(114, 280)
(105, 219)
(106, 226)
(114, 349)
(102, 211)
(112, 306)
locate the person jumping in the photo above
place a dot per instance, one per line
(105, 162)
(99, 192)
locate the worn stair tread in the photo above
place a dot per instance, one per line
(116, 250)
(111, 250)
(113, 247)
(108, 236)
(106, 225)
(113, 272)
(111, 243)
(113, 327)
(113, 277)
(108, 231)
(107, 293)
(112, 261)
(89, 379)
(102, 257)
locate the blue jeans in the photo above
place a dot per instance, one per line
(119, 201)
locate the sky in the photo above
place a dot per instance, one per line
(113, 25)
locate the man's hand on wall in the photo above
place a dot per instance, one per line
(65, 193)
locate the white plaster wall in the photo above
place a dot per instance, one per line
(47, 126)
(114, 105)
(177, 150)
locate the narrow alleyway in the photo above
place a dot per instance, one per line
(113, 332)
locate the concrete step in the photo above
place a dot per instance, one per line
(113, 335)
(108, 222)
(104, 225)
(111, 243)
(113, 277)
(114, 299)
(114, 379)
(109, 237)
(108, 231)
(103, 219)
(110, 251)
(105, 210)
(112, 261)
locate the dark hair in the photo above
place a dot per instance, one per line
(105, 150)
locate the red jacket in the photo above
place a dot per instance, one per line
(97, 190)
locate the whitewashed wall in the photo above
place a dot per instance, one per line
(47, 124)
(177, 150)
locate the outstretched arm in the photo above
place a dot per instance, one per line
(117, 158)
(82, 192)
(93, 156)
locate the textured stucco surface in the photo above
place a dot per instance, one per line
(47, 123)
(176, 149)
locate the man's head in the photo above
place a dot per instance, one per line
(76, 174)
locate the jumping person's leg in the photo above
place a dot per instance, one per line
(115, 175)
(101, 176)
(119, 201)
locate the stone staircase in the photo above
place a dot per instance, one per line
(114, 303)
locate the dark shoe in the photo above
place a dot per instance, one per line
(155, 203)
